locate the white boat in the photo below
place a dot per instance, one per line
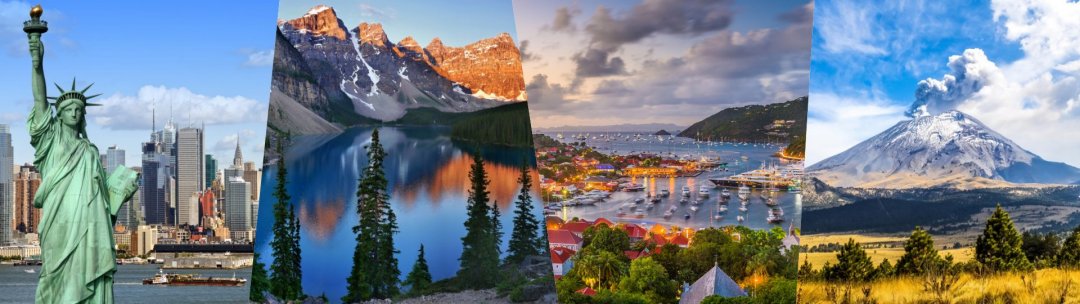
(773, 218)
(740, 218)
(686, 191)
(725, 193)
(703, 191)
(29, 270)
(693, 208)
(683, 201)
(639, 214)
(722, 209)
(771, 202)
(639, 200)
(665, 193)
(744, 192)
(743, 208)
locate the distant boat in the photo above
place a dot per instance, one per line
(686, 191)
(703, 191)
(29, 270)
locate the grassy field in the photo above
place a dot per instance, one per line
(1042, 286)
(818, 259)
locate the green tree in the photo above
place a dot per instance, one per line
(776, 291)
(285, 275)
(1069, 255)
(374, 272)
(884, 270)
(525, 239)
(259, 281)
(1041, 248)
(604, 238)
(920, 255)
(852, 264)
(648, 278)
(999, 248)
(419, 279)
(480, 254)
(497, 228)
(600, 269)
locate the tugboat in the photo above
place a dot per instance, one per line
(171, 279)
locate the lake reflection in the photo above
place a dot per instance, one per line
(428, 177)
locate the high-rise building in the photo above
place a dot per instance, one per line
(237, 205)
(154, 187)
(114, 157)
(7, 202)
(190, 175)
(253, 175)
(238, 158)
(211, 170)
(26, 184)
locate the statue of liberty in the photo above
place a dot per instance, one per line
(78, 202)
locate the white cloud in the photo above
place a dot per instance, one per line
(120, 111)
(259, 58)
(845, 27)
(248, 140)
(837, 123)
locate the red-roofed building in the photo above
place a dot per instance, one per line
(577, 227)
(633, 255)
(603, 221)
(563, 239)
(680, 240)
(561, 261)
(659, 240)
(586, 291)
(635, 232)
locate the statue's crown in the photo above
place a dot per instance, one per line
(73, 95)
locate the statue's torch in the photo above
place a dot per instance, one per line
(34, 28)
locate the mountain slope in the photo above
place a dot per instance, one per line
(950, 149)
(362, 72)
(753, 123)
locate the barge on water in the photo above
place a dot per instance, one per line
(171, 279)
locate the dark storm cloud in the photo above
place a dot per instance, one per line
(564, 20)
(800, 15)
(545, 96)
(595, 63)
(524, 50)
(691, 17)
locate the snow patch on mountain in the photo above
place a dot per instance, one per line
(949, 146)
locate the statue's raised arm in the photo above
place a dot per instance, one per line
(34, 27)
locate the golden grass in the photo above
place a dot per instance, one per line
(1042, 286)
(818, 259)
(818, 239)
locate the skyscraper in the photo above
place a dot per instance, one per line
(253, 175)
(211, 170)
(190, 175)
(114, 157)
(237, 205)
(154, 187)
(26, 184)
(7, 203)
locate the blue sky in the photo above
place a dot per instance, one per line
(609, 62)
(456, 23)
(211, 59)
(1018, 65)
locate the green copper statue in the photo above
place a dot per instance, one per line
(78, 202)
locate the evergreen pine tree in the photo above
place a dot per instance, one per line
(295, 278)
(884, 270)
(920, 256)
(525, 238)
(419, 279)
(284, 277)
(259, 281)
(374, 273)
(479, 255)
(852, 263)
(999, 248)
(1069, 256)
(496, 226)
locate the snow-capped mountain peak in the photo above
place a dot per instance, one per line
(950, 145)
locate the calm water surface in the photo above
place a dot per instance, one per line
(428, 175)
(17, 286)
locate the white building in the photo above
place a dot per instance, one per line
(190, 175)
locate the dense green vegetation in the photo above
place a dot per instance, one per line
(797, 148)
(748, 123)
(506, 125)
(754, 257)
